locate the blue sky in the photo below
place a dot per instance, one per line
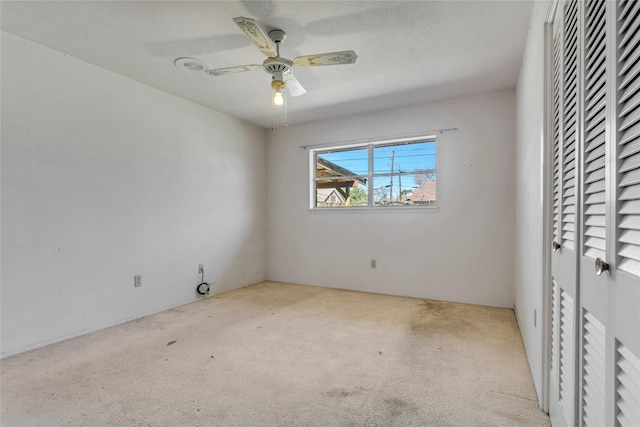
(406, 158)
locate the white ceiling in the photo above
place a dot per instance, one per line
(409, 52)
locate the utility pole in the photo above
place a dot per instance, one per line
(400, 185)
(393, 154)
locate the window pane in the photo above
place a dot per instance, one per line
(416, 157)
(341, 177)
(337, 193)
(404, 189)
(343, 163)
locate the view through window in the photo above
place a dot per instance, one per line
(383, 174)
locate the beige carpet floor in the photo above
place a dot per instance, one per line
(276, 354)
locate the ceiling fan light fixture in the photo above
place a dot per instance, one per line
(278, 104)
(277, 95)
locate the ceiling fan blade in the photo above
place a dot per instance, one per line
(333, 58)
(257, 36)
(230, 70)
(293, 86)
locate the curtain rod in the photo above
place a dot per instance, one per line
(396, 138)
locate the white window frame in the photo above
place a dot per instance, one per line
(371, 144)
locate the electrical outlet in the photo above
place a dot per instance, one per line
(200, 268)
(137, 280)
(373, 263)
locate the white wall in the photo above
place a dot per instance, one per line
(529, 196)
(104, 178)
(464, 252)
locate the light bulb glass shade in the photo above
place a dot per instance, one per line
(278, 98)
(278, 105)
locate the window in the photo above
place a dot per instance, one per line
(381, 174)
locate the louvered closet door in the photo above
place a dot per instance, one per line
(566, 198)
(596, 90)
(609, 375)
(624, 274)
(602, 314)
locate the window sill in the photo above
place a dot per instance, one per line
(394, 209)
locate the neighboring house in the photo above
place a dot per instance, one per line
(425, 194)
(329, 196)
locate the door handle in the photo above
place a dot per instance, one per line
(601, 266)
(555, 246)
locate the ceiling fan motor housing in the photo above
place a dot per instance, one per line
(277, 65)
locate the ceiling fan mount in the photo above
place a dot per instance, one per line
(281, 69)
(277, 36)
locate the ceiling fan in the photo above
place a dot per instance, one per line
(280, 68)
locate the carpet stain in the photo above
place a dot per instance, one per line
(435, 317)
(342, 393)
(398, 407)
(171, 342)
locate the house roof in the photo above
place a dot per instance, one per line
(426, 193)
(325, 168)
